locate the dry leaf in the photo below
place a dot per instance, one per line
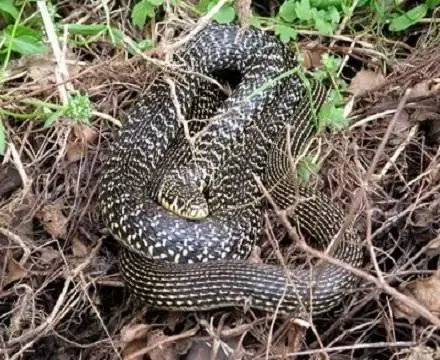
(173, 319)
(402, 124)
(134, 338)
(365, 80)
(425, 291)
(312, 57)
(10, 179)
(85, 133)
(255, 256)
(435, 243)
(83, 136)
(163, 351)
(16, 271)
(130, 333)
(79, 249)
(201, 350)
(75, 151)
(420, 89)
(41, 68)
(421, 353)
(48, 256)
(160, 349)
(53, 220)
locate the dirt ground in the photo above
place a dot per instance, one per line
(61, 295)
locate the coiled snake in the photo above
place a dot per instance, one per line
(177, 263)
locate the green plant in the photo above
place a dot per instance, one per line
(401, 20)
(323, 16)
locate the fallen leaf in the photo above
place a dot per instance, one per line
(425, 291)
(134, 338)
(255, 256)
(53, 220)
(130, 333)
(48, 256)
(365, 80)
(41, 68)
(173, 319)
(79, 249)
(10, 180)
(421, 353)
(163, 351)
(435, 243)
(155, 345)
(16, 271)
(402, 124)
(201, 350)
(312, 57)
(85, 134)
(420, 89)
(76, 151)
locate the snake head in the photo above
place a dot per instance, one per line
(182, 196)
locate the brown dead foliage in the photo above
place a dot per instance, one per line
(61, 296)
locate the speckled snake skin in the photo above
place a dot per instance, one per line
(175, 263)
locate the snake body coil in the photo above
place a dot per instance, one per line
(179, 264)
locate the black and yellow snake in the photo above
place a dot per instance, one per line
(177, 263)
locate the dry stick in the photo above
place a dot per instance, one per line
(17, 239)
(204, 20)
(349, 347)
(358, 198)
(46, 325)
(61, 72)
(397, 153)
(167, 340)
(382, 285)
(244, 12)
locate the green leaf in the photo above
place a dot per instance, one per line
(225, 15)
(8, 7)
(203, 5)
(331, 63)
(409, 18)
(141, 12)
(333, 15)
(27, 44)
(287, 11)
(286, 33)
(20, 30)
(332, 117)
(79, 108)
(2, 138)
(306, 168)
(432, 3)
(156, 2)
(146, 44)
(84, 29)
(52, 117)
(323, 26)
(303, 10)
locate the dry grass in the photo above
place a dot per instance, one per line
(61, 296)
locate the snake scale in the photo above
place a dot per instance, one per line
(175, 263)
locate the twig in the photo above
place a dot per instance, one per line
(348, 347)
(17, 239)
(397, 153)
(61, 72)
(203, 21)
(19, 166)
(170, 339)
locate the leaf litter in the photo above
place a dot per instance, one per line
(61, 292)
